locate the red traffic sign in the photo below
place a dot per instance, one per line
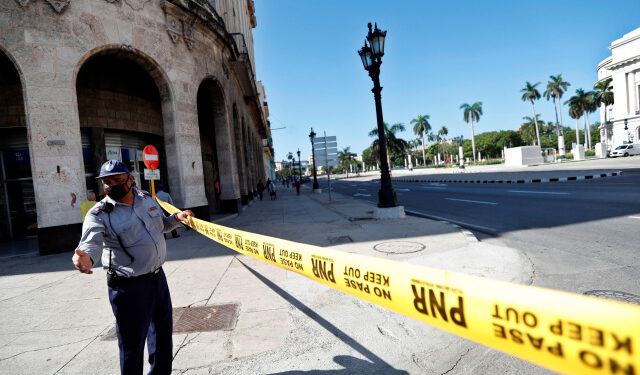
(150, 157)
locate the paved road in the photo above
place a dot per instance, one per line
(581, 235)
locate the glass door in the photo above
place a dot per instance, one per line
(19, 206)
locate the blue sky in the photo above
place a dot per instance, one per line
(438, 55)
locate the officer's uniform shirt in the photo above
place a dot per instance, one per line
(140, 228)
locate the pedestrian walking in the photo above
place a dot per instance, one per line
(260, 189)
(124, 230)
(272, 189)
(288, 182)
(297, 184)
(165, 197)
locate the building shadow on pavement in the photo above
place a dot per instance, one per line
(352, 365)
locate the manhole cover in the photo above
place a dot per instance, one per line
(339, 240)
(399, 247)
(199, 319)
(614, 295)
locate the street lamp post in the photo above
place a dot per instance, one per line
(299, 166)
(316, 187)
(372, 59)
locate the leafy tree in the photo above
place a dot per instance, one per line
(492, 142)
(370, 157)
(472, 113)
(420, 126)
(530, 93)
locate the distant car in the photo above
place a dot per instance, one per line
(626, 150)
(305, 179)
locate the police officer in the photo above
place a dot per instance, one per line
(125, 230)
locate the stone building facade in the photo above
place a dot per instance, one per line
(82, 81)
(623, 67)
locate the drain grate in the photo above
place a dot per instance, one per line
(614, 295)
(221, 317)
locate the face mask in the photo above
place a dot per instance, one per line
(117, 192)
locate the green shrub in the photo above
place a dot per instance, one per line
(589, 153)
(568, 156)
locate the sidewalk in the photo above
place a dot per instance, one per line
(56, 320)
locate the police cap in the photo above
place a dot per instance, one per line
(113, 167)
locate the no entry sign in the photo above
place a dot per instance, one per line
(150, 157)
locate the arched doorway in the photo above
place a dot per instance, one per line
(211, 115)
(18, 216)
(121, 111)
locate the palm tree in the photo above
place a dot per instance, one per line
(420, 126)
(528, 127)
(530, 93)
(395, 145)
(590, 106)
(441, 134)
(433, 137)
(555, 88)
(604, 96)
(346, 158)
(575, 112)
(577, 104)
(472, 113)
(290, 156)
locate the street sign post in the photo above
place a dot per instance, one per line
(151, 160)
(327, 150)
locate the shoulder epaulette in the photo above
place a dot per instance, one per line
(99, 207)
(144, 193)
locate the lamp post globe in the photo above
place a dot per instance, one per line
(312, 136)
(371, 54)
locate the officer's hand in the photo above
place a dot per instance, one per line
(82, 261)
(184, 215)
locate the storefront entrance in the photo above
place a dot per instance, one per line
(18, 216)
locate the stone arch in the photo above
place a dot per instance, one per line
(124, 102)
(18, 211)
(217, 155)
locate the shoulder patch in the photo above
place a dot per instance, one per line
(144, 193)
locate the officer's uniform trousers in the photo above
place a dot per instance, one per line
(139, 297)
(142, 307)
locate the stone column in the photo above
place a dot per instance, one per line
(55, 150)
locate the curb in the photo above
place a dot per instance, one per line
(517, 181)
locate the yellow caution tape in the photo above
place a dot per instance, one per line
(568, 333)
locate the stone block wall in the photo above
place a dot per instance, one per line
(50, 42)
